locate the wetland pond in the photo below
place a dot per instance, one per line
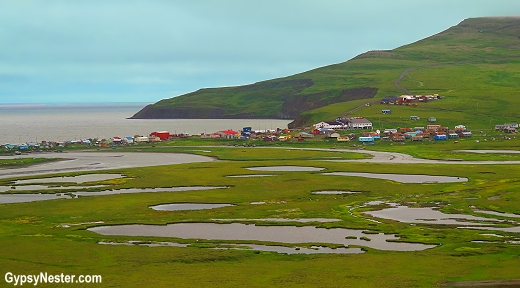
(427, 216)
(254, 247)
(286, 168)
(280, 234)
(71, 179)
(334, 192)
(403, 178)
(188, 206)
(21, 198)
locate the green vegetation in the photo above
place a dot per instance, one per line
(473, 64)
(23, 161)
(34, 239)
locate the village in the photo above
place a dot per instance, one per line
(342, 129)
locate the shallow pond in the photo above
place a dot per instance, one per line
(427, 216)
(72, 179)
(188, 206)
(334, 192)
(510, 215)
(299, 220)
(20, 198)
(403, 178)
(250, 176)
(283, 234)
(254, 247)
(147, 190)
(44, 187)
(286, 168)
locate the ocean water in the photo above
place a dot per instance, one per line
(37, 122)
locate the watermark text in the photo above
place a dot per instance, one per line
(45, 278)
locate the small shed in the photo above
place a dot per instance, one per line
(386, 111)
(431, 119)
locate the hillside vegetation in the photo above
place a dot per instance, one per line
(475, 64)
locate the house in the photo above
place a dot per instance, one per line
(374, 135)
(343, 139)
(512, 125)
(433, 127)
(431, 119)
(398, 138)
(415, 117)
(460, 128)
(440, 137)
(228, 134)
(386, 111)
(366, 139)
(417, 138)
(163, 135)
(509, 130)
(304, 135)
(453, 135)
(140, 139)
(128, 139)
(330, 125)
(390, 131)
(360, 123)
(465, 134)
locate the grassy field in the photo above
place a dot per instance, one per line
(33, 239)
(23, 162)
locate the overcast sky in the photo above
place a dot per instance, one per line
(142, 51)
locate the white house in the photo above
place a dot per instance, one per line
(360, 123)
(330, 125)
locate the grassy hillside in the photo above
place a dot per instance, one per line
(473, 64)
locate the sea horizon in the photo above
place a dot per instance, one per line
(34, 122)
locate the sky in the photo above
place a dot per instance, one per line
(61, 51)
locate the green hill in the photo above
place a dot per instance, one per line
(475, 65)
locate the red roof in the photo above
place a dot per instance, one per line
(229, 132)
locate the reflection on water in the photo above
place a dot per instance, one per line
(20, 198)
(255, 247)
(188, 206)
(403, 178)
(250, 176)
(72, 179)
(426, 215)
(286, 168)
(334, 192)
(282, 234)
(299, 220)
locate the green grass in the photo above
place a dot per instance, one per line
(32, 240)
(23, 161)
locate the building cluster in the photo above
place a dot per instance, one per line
(353, 123)
(507, 127)
(104, 142)
(432, 131)
(409, 99)
(247, 133)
